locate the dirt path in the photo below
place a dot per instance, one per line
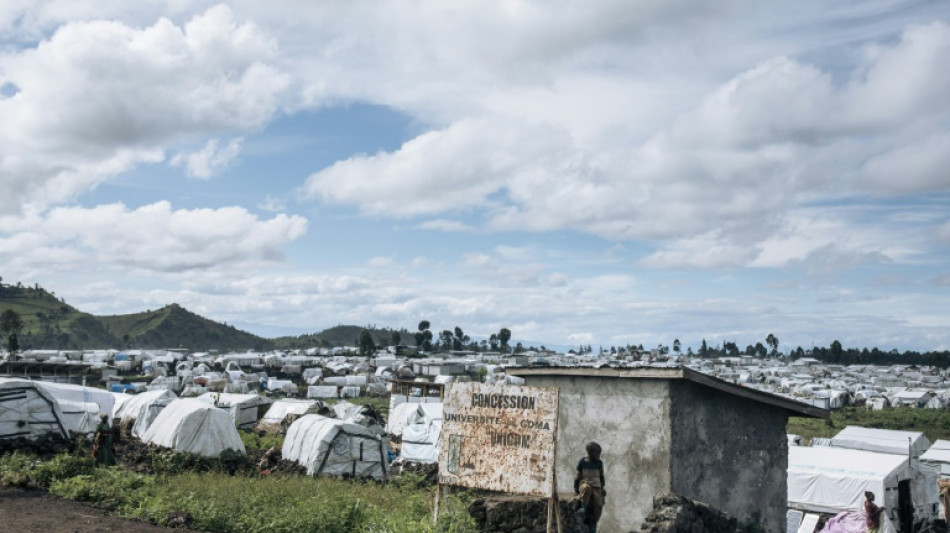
(37, 511)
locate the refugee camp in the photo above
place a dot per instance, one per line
(475, 266)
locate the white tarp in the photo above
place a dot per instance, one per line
(80, 418)
(142, 409)
(274, 418)
(336, 447)
(79, 393)
(827, 479)
(422, 434)
(881, 440)
(28, 411)
(193, 426)
(399, 415)
(938, 456)
(242, 408)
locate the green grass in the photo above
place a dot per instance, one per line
(934, 423)
(218, 502)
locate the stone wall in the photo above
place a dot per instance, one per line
(731, 452)
(673, 513)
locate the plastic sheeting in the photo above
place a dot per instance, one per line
(193, 426)
(336, 447)
(241, 407)
(28, 411)
(80, 418)
(399, 416)
(882, 440)
(79, 393)
(142, 409)
(422, 435)
(279, 411)
(938, 456)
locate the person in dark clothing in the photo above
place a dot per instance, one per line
(103, 444)
(589, 483)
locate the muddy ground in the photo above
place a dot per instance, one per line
(25, 511)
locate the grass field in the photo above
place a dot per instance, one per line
(934, 423)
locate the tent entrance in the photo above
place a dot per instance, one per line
(905, 509)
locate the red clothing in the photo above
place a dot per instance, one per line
(872, 514)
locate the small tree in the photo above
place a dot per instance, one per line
(504, 335)
(396, 338)
(10, 324)
(772, 341)
(366, 344)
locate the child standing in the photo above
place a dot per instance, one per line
(589, 483)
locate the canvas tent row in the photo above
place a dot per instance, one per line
(28, 411)
(829, 480)
(336, 447)
(193, 426)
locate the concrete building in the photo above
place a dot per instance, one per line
(675, 430)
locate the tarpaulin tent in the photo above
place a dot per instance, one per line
(336, 447)
(273, 419)
(140, 410)
(399, 415)
(80, 393)
(243, 408)
(193, 426)
(881, 440)
(80, 418)
(28, 411)
(827, 479)
(422, 435)
(938, 456)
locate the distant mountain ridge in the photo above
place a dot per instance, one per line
(50, 323)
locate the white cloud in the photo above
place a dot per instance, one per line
(448, 226)
(379, 262)
(150, 238)
(98, 98)
(210, 160)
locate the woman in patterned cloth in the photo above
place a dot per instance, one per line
(103, 444)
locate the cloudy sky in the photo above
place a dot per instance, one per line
(605, 173)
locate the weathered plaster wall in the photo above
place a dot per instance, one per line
(630, 419)
(730, 452)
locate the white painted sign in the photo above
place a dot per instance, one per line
(499, 437)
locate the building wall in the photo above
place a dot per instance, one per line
(630, 419)
(730, 452)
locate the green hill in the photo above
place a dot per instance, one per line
(50, 323)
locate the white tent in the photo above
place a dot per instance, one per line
(336, 447)
(399, 416)
(882, 440)
(938, 456)
(279, 411)
(79, 393)
(243, 408)
(193, 426)
(28, 411)
(142, 409)
(422, 435)
(829, 480)
(80, 418)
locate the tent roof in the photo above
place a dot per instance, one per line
(890, 441)
(939, 452)
(844, 463)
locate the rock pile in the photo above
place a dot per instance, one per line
(522, 514)
(673, 513)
